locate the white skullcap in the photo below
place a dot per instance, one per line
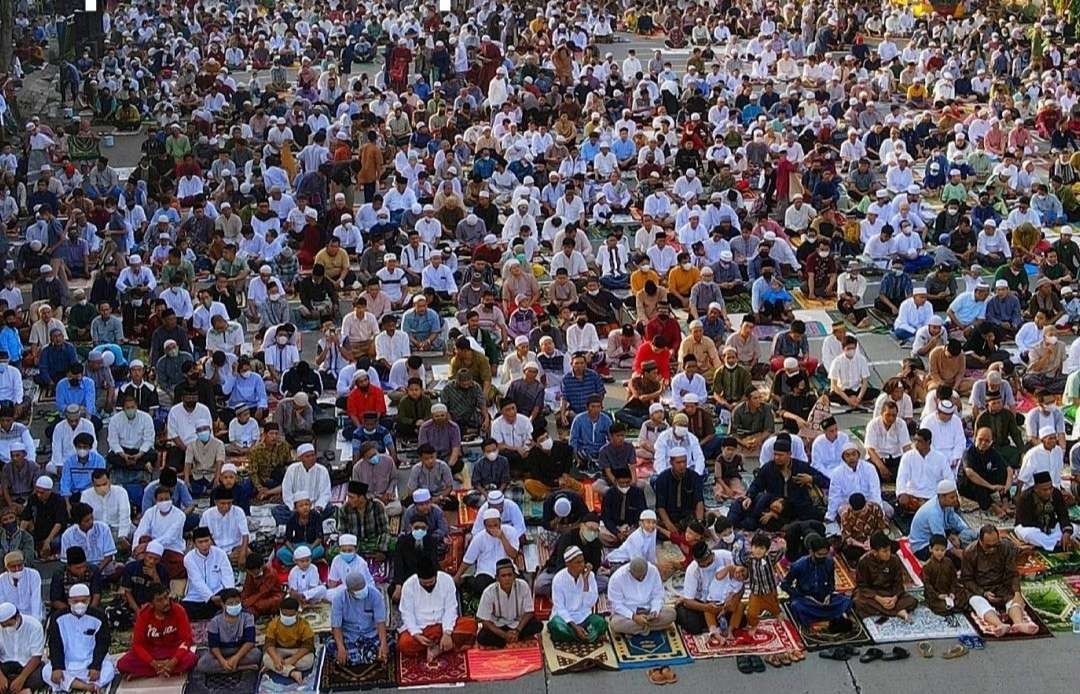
(570, 552)
(228, 467)
(521, 340)
(918, 290)
(946, 406)
(494, 497)
(1047, 430)
(791, 363)
(648, 514)
(302, 552)
(79, 590)
(439, 408)
(347, 539)
(304, 449)
(7, 611)
(492, 513)
(691, 398)
(155, 547)
(677, 452)
(134, 260)
(421, 496)
(1001, 284)
(531, 365)
(850, 446)
(265, 269)
(936, 320)
(946, 487)
(656, 407)
(562, 507)
(44, 482)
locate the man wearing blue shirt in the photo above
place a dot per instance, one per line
(589, 430)
(78, 467)
(423, 326)
(969, 308)
(55, 359)
(78, 389)
(940, 516)
(358, 624)
(248, 389)
(578, 385)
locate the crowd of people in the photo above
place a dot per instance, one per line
(332, 201)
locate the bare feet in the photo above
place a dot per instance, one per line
(1025, 627)
(297, 676)
(433, 652)
(1000, 630)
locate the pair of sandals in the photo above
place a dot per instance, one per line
(839, 653)
(750, 664)
(784, 659)
(872, 654)
(662, 675)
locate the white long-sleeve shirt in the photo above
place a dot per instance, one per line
(228, 530)
(307, 582)
(136, 433)
(637, 544)
(208, 574)
(627, 594)
(826, 454)
(168, 528)
(313, 483)
(1038, 459)
(843, 482)
(918, 475)
(911, 317)
(572, 598)
(420, 608)
(63, 440)
(701, 583)
(948, 438)
(583, 339)
(113, 509)
(667, 440)
(484, 551)
(24, 594)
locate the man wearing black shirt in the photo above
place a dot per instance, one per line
(141, 575)
(318, 296)
(45, 516)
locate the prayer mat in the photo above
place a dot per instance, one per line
(875, 325)
(984, 629)
(1074, 513)
(120, 642)
(452, 560)
(542, 607)
(318, 617)
(199, 630)
(380, 569)
(844, 576)
(1052, 599)
(1062, 562)
(394, 526)
(978, 518)
(240, 682)
(337, 494)
(654, 649)
(349, 678)
(1072, 583)
(1031, 565)
(1025, 404)
(772, 636)
(673, 587)
(925, 625)
(448, 668)
(465, 514)
(562, 658)
(806, 302)
(913, 579)
(739, 303)
(500, 664)
(602, 606)
(816, 636)
(858, 432)
(593, 501)
(152, 685)
(273, 683)
(907, 556)
(768, 332)
(532, 509)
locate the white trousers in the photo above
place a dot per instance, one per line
(1034, 536)
(108, 672)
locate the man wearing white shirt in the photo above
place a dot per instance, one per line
(208, 573)
(678, 436)
(508, 510)
(574, 593)
(853, 475)
(914, 312)
(661, 255)
(947, 431)
(429, 614)
(688, 386)
(20, 586)
(921, 468)
(111, 506)
(1047, 456)
(887, 440)
(228, 526)
(825, 452)
(486, 548)
(307, 479)
(391, 344)
(849, 377)
(439, 278)
(636, 594)
(164, 523)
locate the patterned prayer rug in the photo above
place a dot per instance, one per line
(737, 304)
(242, 682)
(318, 617)
(1052, 599)
(673, 587)
(152, 685)
(199, 630)
(452, 560)
(772, 636)
(1062, 562)
(925, 625)
(977, 518)
(349, 678)
(1031, 565)
(907, 556)
(273, 683)
(1072, 583)
(768, 332)
(817, 636)
(542, 607)
(500, 664)
(562, 658)
(380, 570)
(806, 302)
(448, 668)
(654, 649)
(984, 629)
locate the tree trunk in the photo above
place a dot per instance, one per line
(7, 31)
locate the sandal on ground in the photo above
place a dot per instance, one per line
(758, 663)
(897, 653)
(773, 660)
(785, 659)
(926, 650)
(837, 653)
(871, 655)
(956, 651)
(798, 656)
(669, 675)
(742, 662)
(657, 677)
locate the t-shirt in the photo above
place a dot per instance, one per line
(135, 580)
(231, 633)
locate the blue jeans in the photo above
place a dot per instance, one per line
(285, 555)
(615, 281)
(902, 335)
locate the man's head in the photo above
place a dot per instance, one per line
(881, 546)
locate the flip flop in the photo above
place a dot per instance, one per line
(774, 661)
(657, 677)
(956, 651)
(850, 650)
(742, 662)
(669, 675)
(871, 655)
(837, 653)
(798, 656)
(785, 659)
(897, 653)
(758, 663)
(926, 650)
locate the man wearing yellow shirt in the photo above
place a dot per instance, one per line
(916, 93)
(641, 275)
(335, 260)
(290, 643)
(680, 280)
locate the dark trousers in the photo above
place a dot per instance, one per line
(690, 621)
(200, 610)
(13, 669)
(491, 640)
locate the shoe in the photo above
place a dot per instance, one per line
(897, 653)
(837, 653)
(871, 655)
(758, 663)
(956, 651)
(742, 662)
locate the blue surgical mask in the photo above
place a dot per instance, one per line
(360, 594)
(234, 610)
(348, 557)
(419, 534)
(203, 436)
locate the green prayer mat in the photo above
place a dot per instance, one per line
(1053, 600)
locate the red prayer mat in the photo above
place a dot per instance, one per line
(773, 636)
(491, 665)
(448, 668)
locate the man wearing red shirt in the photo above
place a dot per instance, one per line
(161, 640)
(656, 351)
(364, 397)
(664, 324)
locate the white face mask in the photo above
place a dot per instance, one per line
(623, 489)
(288, 620)
(546, 444)
(1051, 339)
(492, 456)
(680, 430)
(687, 266)
(17, 574)
(849, 353)
(79, 608)
(163, 507)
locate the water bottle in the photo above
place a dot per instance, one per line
(1076, 621)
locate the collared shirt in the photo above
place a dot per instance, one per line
(843, 482)
(918, 475)
(313, 483)
(131, 434)
(83, 395)
(113, 509)
(502, 608)
(182, 424)
(1038, 459)
(371, 526)
(628, 595)
(96, 542)
(229, 530)
(437, 479)
(702, 585)
(421, 608)
(825, 454)
(75, 476)
(887, 442)
(167, 528)
(484, 550)
(572, 598)
(207, 575)
(931, 520)
(357, 618)
(249, 390)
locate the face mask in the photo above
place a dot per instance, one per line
(165, 506)
(623, 489)
(419, 534)
(18, 574)
(11, 527)
(594, 292)
(546, 444)
(234, 610)
(79, 608)
(686, 266)
(172, 352)
(823, 254)
(203, 436)
(282, 340)
(645, 267)
(492, 456)
(83, 453)
(131, 412)
(288, 620)
(348, 557)
(589, 535)
(360, 594)
(849, 353)
(1051, 339)
(680, 430)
